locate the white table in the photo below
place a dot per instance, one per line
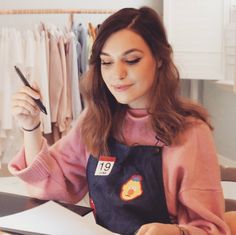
(15, 185)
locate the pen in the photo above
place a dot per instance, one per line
(37, 101)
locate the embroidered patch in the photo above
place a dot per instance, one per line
(132, 188)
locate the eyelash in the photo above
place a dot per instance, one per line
(135, 61)
(105, 63)
(130, 62)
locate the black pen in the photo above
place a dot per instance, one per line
(37, 101)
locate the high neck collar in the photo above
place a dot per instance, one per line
(137, 113)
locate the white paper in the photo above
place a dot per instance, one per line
(54, 219)
(229, 189)
(13, 185)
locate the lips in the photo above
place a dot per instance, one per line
(121, 87)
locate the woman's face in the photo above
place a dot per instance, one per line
(128, 68)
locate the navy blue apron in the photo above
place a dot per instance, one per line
(133, 192)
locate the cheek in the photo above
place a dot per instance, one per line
(146, 80)
(106, 72)
(147, 74)
(147, 67)
(151, 72)
(104, 75)
(106, 78)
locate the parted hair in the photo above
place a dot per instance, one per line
(168, 109)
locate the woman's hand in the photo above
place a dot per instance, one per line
(158, 229)
(24, 108)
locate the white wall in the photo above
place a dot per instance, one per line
(221, 103)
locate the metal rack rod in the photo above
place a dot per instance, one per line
(55, 11)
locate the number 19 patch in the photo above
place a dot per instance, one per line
(105, 165)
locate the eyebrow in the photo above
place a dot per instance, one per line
(125, 53)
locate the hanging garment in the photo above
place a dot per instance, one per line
(61, 118)
(40, 74)
(11, 53)
(43, 56)
(55, 77)
(73, 77)
(127, 190)
(81, 34)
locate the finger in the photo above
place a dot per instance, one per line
(35, 86)
(142, 230)
(31, 92)
(22, 96)
(17, 110)
(33, 109)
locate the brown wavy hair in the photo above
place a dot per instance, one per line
(168, 110)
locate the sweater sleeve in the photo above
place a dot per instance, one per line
(58, 172)
(196, 183)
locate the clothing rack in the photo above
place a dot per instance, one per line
(55, 11)
(71, 12)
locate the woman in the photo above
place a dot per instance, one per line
(145, 154)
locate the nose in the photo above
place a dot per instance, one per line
(120, 71)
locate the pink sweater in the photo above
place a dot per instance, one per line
(190, 168)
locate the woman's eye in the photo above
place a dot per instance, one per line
(134, 61)
(106, 63)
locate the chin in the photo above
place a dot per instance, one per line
(122, 102)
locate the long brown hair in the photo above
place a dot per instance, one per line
(168, 109)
